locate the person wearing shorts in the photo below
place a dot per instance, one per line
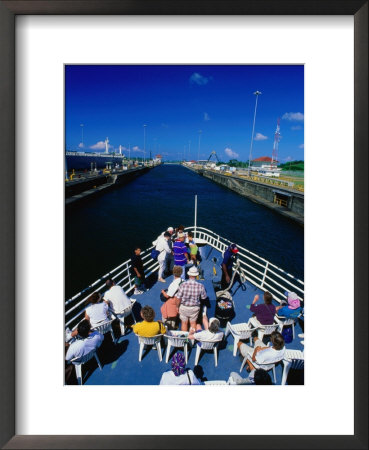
(189, 294)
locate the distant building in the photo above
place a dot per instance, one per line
(262, 161)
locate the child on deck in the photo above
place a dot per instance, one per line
(193, 248)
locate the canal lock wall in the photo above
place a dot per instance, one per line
(284, 201)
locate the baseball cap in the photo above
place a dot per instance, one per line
(233, 248)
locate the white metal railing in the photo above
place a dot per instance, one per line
(75, 306)
(260, 272)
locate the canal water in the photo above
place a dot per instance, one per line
(101, 233)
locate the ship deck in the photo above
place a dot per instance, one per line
(120, 360)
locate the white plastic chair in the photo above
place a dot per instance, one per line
(292, 359)
(239, 331)
(266, 367)
(78, 362)
(215, 382)
(126, 312)
(174, 340)
(263, 330)
(154, 340)
(285, 322)
(207, 345)
(104, 328)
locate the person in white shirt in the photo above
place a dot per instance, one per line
(162, 246)
(86, 341)
(179, 375)
(211, 334)
(97, 311)
(174, 285)
(115, 297)
(261, 354)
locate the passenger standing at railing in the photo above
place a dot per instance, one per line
(229, 258)
(137, 271)
(181, 257)
(162, 246)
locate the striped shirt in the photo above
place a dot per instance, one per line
(179, 251)
(190, 293)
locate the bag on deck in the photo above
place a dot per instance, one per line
(154, 254)
(287, 335)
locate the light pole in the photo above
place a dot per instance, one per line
(82, 125)
(144, 143)
(198, 152)
(257, 93)
(189, 150)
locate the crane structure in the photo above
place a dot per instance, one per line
(213, 153)
(277, 137)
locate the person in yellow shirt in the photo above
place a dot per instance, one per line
(148, 327)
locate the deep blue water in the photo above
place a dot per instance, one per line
(102, 232)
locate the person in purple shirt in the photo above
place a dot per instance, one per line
(180, 252)
(264, 313)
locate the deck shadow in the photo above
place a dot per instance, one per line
(199, 373)
(108, 352)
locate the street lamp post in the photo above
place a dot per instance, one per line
(144, 143)
(257, 93)
(198, 152)
(82, 125)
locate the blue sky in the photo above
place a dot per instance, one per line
(175, 102)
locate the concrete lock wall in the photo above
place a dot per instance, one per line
(262, 193)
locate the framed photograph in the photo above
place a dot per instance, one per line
(125, 88)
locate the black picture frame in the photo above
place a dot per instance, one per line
(8, 11)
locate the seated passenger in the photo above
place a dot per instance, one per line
(174, 285)
(179, 374)
(148, 328)
(261, 354)
(86, 341)
(293, 309)
(115, 297)
(264, 313)
(97, 311)
(170, 309)
(211, 333)
(258, 376)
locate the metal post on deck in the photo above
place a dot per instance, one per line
(265, 272)
(195, 216)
